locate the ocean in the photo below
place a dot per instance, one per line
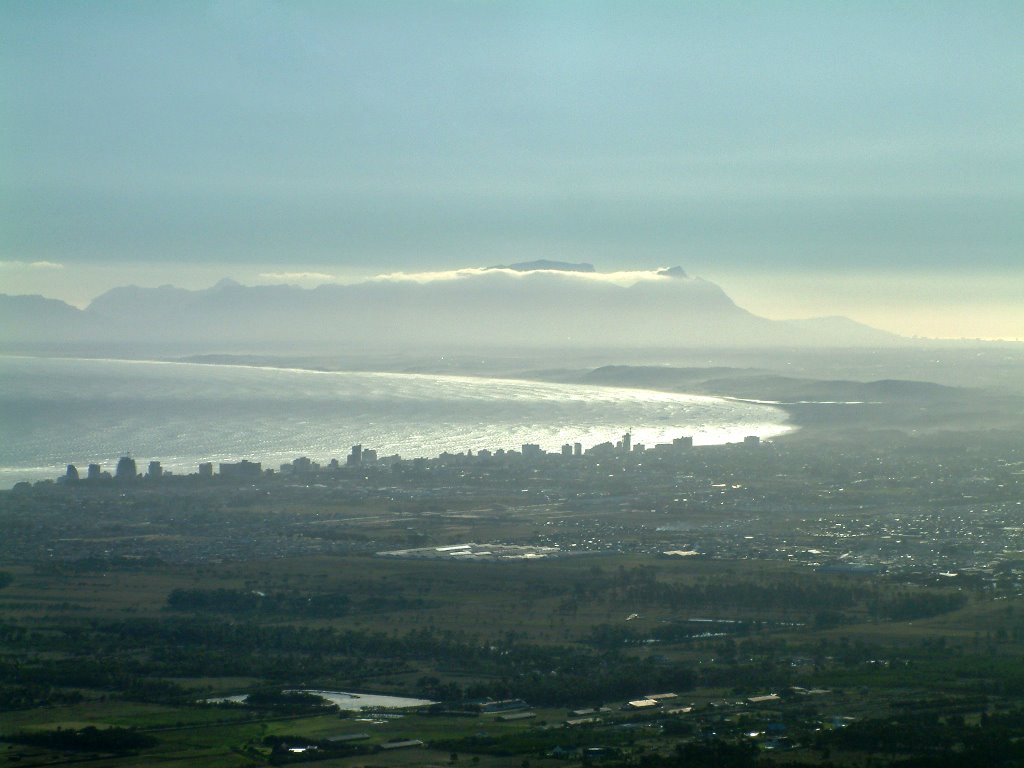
(59, 411)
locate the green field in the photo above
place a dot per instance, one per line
(137, 647)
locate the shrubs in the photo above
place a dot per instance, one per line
(89, 739)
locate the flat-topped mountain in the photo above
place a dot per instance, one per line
(531, 305)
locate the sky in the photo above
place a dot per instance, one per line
(860, 158)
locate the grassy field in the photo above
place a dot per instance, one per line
(761, 630)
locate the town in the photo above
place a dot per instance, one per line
(773, 602)
(933, 506)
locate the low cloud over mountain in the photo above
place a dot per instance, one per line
(537, 304)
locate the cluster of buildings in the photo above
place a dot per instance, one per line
(127, 469)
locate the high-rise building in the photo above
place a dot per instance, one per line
(95, 472)
(627, 442)
(355, 457)
(126, 469)
(531, 450)
(71, 475)
(206, 469)
(243, 470)
(155, 471)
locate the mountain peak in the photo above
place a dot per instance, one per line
(673, 272)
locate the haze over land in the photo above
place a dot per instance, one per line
(343, 348)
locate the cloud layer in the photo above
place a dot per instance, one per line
(622, 278)
(24, 265)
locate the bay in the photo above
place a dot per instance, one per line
(56, 411)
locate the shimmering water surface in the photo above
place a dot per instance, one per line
(56, 411)
(352, 702)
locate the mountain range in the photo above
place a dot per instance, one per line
(528, 305)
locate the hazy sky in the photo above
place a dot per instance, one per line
(858, 158)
